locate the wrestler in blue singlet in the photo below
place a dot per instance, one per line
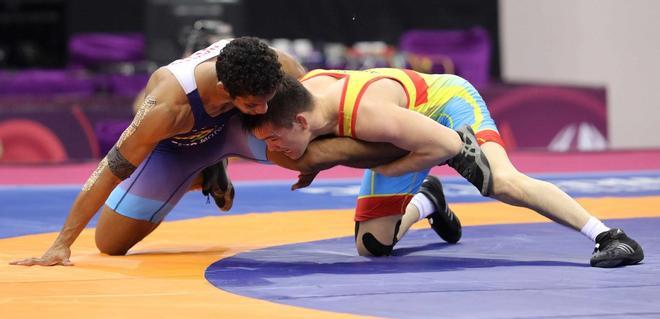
(168, 172)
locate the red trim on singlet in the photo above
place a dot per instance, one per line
(420, 87)
(356, 103)
(341, 106)
(331, 74)
(381, 206)
(490, 136)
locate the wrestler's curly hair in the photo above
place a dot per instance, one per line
(291, 99)
(247, 66)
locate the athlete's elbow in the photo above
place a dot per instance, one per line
(313, 161)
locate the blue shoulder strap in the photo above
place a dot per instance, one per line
(197, 108)
(202, 119)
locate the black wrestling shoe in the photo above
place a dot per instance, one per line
(443, 221)
(614, 248)
(216, 183)
(471, 162)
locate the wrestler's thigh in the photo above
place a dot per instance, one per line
(116, 233)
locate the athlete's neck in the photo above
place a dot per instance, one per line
(216, 100)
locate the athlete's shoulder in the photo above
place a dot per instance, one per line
(165, 92)
(211, 51)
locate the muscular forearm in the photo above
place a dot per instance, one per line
(411, 163)
(326, 153)
(86, 204)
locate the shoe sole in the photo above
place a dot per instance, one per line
(612, 263)
(484, 166)
(449, 238)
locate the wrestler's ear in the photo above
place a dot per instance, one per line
(302, 120)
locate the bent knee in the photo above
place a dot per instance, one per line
(363, 251)
(371, 246)
(110, 249)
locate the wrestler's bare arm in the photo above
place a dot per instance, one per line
(429, 142)
(137, 102)
(154, 122)
(325, 153)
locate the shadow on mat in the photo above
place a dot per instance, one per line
(409, 250)
(263, 268)
(182, 251)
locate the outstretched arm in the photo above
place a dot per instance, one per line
(138, 140)
(325, 153)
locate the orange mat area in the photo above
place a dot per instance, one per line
(163, 277)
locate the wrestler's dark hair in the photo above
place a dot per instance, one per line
(247, 66)
(291, 98)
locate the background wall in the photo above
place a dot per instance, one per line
(608, 43)
(573, 50)
(45, 25)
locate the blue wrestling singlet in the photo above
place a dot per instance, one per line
(167, 173)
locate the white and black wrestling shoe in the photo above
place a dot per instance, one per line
(614, 248)
(443, 221)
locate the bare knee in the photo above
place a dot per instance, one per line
(110, 248)
(108, 234)
(377, 237)
(362, 251)
(373, 247)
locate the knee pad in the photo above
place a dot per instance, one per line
(376, 248)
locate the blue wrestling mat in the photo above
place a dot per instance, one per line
(505, 271)
(38, 209)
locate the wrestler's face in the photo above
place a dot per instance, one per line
(292, 141)
(253, 105)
